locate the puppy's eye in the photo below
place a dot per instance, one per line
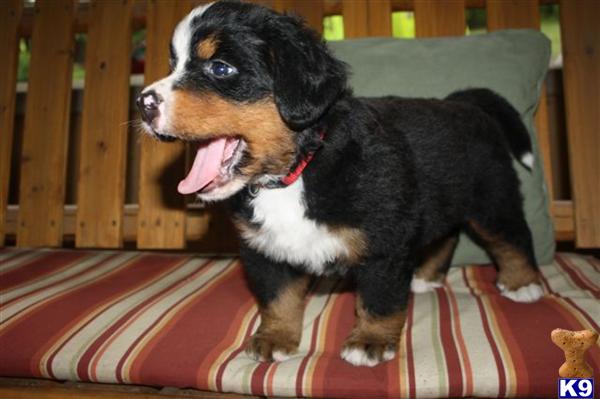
(220, 69)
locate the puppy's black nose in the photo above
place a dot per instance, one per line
(148, 103)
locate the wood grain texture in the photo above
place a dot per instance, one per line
(356, 18)
(43, 159)
(564, 224)
(503, 14)
(101, 188)
(542, 127)
(521, 14)
(312, 12)
(439, 18)
(580, 33)
(380, 17)
(197, 224)
(281, 6)
(10, 15)
(161, 220)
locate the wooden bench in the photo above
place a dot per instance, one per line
(100, 216)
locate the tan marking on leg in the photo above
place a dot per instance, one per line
(354, 240)
(436, 256)
(514, 270)
(281, 323)
(376, 336)
(197, 116)
(206, 48)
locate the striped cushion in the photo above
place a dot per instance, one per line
(181, 320)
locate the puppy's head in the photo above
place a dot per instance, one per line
(246, 84)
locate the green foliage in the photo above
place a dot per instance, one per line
(403, 24)
(24, 57)
(333, 27)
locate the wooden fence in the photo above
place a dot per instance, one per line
(100, 217)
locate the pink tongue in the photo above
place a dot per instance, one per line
(205, 168)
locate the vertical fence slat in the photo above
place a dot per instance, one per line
(44, 153)
(161, 220)
(312, 12)
(580, 34)
(281, 5)
(101, 189)
(356, 18)
(439, 18)
(380, 17)
(10, 15)
(504, 14)
(515, 14)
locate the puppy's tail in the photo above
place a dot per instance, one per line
(499, 109)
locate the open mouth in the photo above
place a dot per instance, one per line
(213, 165)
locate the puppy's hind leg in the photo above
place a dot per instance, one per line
(509, 243)
(435, 262)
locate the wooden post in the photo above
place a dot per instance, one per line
(356, 18)
(161, 223)
(10, 15)
(101, 189)
(520, 14)
(44, 155)
(581, 70)
(312, 12)
(439, 18)
(380, 17)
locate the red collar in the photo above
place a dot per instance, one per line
(294, 174)
(297, 171)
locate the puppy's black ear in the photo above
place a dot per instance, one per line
(307, 79)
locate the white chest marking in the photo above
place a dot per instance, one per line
(285, 234)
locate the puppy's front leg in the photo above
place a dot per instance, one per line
(382, 299)
(280, 291)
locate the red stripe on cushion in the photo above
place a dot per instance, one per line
(526, 329)
(36, 268)
(577, 276)
(209, 362)
(453, 367)
(95, 349)
(338, 328)
(460, 343)
(235, 353)
(61, 281)
(412, 383)
(161, 359)
(31, 336)
(488, 334)
(302, 368)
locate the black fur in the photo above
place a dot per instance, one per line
(405, 172)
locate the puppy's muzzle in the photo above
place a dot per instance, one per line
(148, 105)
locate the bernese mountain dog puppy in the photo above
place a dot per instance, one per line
(323, 182)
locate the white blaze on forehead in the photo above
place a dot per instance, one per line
(182, 37)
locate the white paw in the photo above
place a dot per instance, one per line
(389, 355)
(280, 356)
(358, 357)
(420, 285)
(527, 293)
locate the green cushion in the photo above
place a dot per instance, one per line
(512, 62)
